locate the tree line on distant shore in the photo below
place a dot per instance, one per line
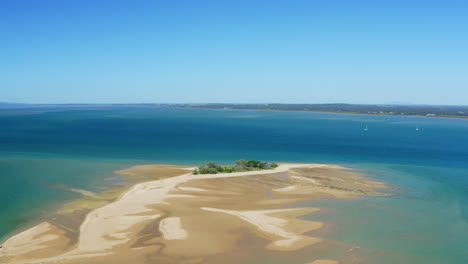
(241, 165)
(418, 110)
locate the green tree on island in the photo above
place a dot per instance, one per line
(241, 165)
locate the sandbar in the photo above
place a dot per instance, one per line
(190, 216)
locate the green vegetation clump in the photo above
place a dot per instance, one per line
(241, 165)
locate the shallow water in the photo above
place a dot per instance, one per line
(425, 221)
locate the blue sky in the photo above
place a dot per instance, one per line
(234, 51)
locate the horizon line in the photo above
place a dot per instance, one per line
(205, 103)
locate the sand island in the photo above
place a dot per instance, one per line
(170, 214)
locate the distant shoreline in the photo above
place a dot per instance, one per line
(325, 112)
(430, 111)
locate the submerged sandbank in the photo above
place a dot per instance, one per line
(185, 218)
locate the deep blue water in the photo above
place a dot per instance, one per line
(427, 216)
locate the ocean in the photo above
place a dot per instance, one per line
(46, 152)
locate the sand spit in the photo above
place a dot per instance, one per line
(192, 216)
(119, 216)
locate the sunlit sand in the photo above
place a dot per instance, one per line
(193, 216)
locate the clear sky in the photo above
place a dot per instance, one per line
(240, 51)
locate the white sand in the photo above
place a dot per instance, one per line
(121, 215)
(171, 229)
(16, 244)
(192, 189)
(286, 189)
(110, 226)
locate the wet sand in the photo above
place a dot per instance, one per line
(187, 218)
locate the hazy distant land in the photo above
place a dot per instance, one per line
(377, 109)
(368, 109)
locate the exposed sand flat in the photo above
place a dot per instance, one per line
(121, 215)
(196, 215)
(171, 229)
(286, 189)
(275, 227)
(304, 179)
(42, 240)
(191, 189)
(41, 233)
(107, 227)
(324, 261)
(278, 201)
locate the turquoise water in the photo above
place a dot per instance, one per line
(33, 186)
(42, 153)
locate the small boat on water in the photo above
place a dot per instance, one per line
(365, 129)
